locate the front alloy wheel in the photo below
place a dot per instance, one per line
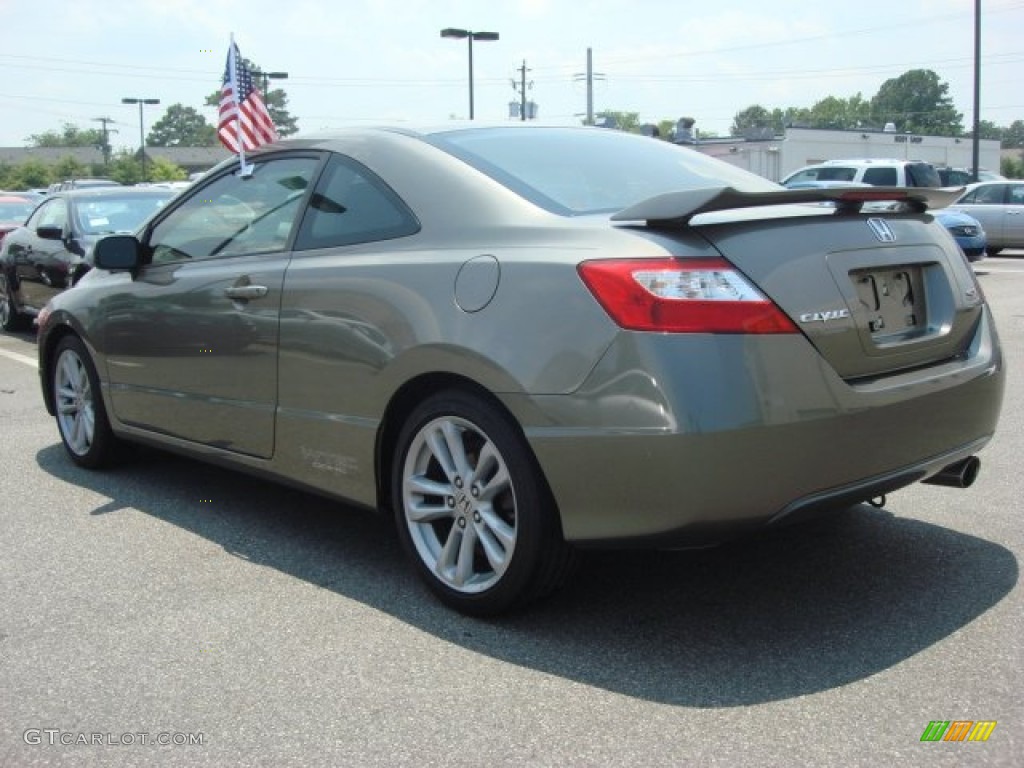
(10, 318)
(472, 509)
(81, 417)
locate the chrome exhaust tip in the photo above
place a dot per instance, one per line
(962, 474)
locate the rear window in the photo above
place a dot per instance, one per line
(15, 211)
(575, 171)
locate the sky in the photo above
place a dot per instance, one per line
(384, 61)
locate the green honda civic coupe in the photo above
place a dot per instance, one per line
(524, 340)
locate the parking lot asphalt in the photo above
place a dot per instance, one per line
(244, 623)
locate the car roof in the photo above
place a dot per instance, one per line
(97, 192)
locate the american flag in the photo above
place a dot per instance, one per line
(245, 123)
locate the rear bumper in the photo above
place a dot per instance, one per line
(690, 439)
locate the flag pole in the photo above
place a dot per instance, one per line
(233, 69)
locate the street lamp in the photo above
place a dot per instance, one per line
(267, 77)
(458, 34)
(142, 130)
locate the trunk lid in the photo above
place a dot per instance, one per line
(875, 291)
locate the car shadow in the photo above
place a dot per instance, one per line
(789, 612)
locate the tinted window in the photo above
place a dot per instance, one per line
(922, 175)
(991, 194)
(590, 170)
(881, 177)
(236, 214)
(351, 205)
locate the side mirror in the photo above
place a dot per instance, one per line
(117, 252)
(50, 233)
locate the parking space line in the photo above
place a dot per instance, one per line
(17, 357)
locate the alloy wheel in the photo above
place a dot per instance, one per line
(76, 415)
(459, 504)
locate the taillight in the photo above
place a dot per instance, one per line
(682, 296)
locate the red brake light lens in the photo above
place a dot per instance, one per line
(682, 296)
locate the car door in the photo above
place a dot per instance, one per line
(1013, 223)
(986, 204)
(40, 255)
(192, 340)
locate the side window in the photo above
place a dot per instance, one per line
(236, 214)
(351, 205)
(990, 195)
(881, 177)
(1017, 194)
(53, 213)
(808, 175)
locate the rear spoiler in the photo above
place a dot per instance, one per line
(677, 208)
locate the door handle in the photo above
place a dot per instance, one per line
(246, 292)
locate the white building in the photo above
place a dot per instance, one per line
(776, 157)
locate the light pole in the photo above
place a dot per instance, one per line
(142, 130)
(458, 34)
(267, 77)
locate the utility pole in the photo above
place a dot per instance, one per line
(521, 87)
(590, 76)
(105, 147)
(976, 138)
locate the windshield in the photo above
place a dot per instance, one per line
(574, 171)
(105, 215)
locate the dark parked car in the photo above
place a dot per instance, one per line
(999, 206)
(52, 249)
(521, 340)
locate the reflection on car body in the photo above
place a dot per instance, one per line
(52, 249)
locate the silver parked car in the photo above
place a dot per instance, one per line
(999, 206)
(522, 340)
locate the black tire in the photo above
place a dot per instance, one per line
(77, 400)
(490, 506)
(993, 250)
(10, 318)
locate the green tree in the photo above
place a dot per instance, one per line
(1012, 168)
(665, 128)
(988, 130)
(755, 119)
(275, 99)
(31, 173)
(69, 168)
(182, 126)
(1013, 135)
(125, 167)
(840, 114)
(70, 135)
(162, 169)
(917, 102)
